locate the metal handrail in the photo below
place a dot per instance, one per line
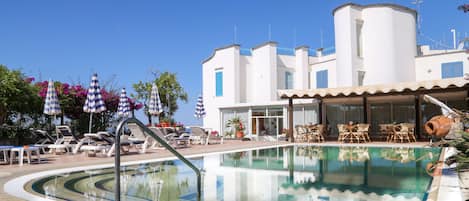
(120, 126)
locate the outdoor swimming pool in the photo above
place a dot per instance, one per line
(281, 173)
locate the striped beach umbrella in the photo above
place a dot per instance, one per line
(199, 108)
(155, 107)
(94, 101)
(51, 105)
(123, 109)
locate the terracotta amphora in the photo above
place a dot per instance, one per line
(438, 126)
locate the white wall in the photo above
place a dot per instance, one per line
(301, 68)
(345, 40)
(331, 67)
(389, 45)
(429, 67)
(226, 60)
(264, 71)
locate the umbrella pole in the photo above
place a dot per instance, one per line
(91, 121)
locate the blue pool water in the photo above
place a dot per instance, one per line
(282, 173)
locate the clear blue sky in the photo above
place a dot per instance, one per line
(69, 40)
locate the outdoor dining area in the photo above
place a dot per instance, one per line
(394, 113)
(357, 133)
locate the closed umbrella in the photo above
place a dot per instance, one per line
(123, 109)
(199, 108)
(94, 101)
(155, 107)
(51, 105)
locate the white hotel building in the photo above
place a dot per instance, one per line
(375, 46)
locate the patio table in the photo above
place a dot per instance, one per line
(5, 150)
(29, 150)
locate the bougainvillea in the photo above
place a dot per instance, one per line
(72, 98)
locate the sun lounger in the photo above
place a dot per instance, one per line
(65, 140)
(95, 145)
(205, 138)
(43, 139)
(172, 139)
(139, 137)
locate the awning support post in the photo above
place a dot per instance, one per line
(418, 115)
(365, 109)
(290, 120)
(320, 111)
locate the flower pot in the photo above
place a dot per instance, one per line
(239, 134)
(438, 126)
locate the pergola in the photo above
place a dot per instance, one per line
(417, 89)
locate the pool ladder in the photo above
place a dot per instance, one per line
(120, 126)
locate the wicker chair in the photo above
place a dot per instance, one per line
(316, 134)
(361, 133)
(343, 132)
(301, 133)
(401, 132)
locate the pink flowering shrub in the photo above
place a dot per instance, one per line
(73, 97)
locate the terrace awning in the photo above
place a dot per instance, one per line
(375, 89)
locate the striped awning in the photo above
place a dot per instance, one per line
(375, 89)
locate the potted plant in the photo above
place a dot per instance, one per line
(237, 124)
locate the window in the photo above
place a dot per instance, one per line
(219, 83)
(288, 80)
(321, 79)
(359, 38)
(452, 69)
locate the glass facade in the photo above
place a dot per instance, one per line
(342, 114)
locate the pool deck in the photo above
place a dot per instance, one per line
(51, 162)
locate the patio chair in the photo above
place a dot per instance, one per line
(401, 132)
(361, 133)
(199, 135)
(411, 132)
(65, 140)
(317, 133)
(302, 133)
(343, 133)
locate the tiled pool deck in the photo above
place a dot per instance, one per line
(444, 187)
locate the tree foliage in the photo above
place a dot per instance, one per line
(18, 98)
(170, 91)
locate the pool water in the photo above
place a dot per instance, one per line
(283, 173)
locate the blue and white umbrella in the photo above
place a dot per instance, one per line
(51, 105)
(123, 109)
(94, 101)
(199, 108)
(155, 107)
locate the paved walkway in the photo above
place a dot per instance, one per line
(50, 162)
